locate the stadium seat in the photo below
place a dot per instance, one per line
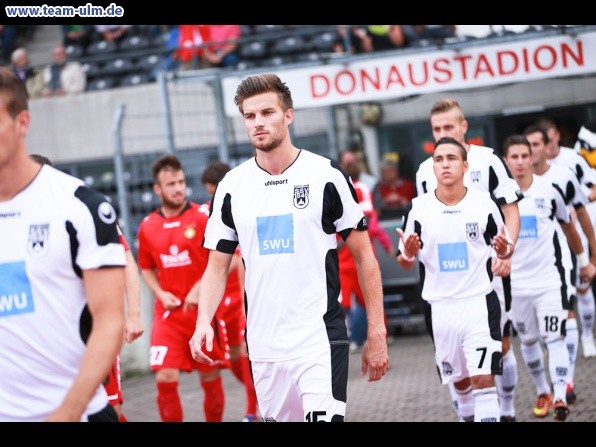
(323, 43)
(102, 83)
(92, 69)
(253, 50)
(101, 47)
(118, 66)
(289, 45)
(134, 79)
(74, 52)
(135, 43)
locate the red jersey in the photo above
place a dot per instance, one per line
(174, 247)
(402, 187)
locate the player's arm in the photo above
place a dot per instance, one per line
(586, 267)
(167, 299)
(586, 225)
(374, 356)
(134, 325)
(104, 288)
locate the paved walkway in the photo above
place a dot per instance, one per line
(410, 392)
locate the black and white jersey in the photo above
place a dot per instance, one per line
(537, 262)
(286, 225)
(49, 233)
(455, 253)
(584, 173)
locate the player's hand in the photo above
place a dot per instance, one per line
(201, 343)
(134, 328)
(501, 267)
(586, 274)
(503, 245)
(375, 357)
(411, 243)
(169, 301)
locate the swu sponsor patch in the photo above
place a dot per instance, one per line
(276, 234)
(528, 227)
(453, 257)
(15, 292)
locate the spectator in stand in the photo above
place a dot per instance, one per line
(392, 195)
(222, 48)
(112, 33)
(191, 44)
(351, 39)
(8, 38)
(62, 77)
(26, 73)
(76, 35)
(385, 37)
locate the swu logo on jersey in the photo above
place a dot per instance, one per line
(15, 295)
(472, 231)
(453, 257)
(528, 227)
(176, 258)
(37, 245)
(276, 234)
(301, 196)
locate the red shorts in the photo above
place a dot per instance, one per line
(113, 384)
(231, 311)
(170, 335)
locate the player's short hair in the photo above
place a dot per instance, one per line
(451, 140)
(13, 92)
(215, 172)
(41, 159)
(446, 105)
(263, 83)
(513, 140)
(165, 162)
(533, 128)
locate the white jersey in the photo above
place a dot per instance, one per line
(286, 225)
(486, 172)
(455, 256)
(536, 264)
(49, 233)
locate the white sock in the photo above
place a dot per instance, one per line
(465, 401)
(506, 384)
(585, 311)
(571, 339)
(558, 365)
(486, 405)
(534, 360)
(454, 399)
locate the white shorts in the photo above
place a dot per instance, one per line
(502, 286)
(311, 388)
(467, 335)
(538, 314)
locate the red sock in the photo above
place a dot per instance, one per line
(213, 404)
(168, 402)
(122, 418)
(241, 369)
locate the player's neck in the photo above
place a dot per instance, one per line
(278, 160)
(451, 195)
(16, 174)
(524, 182)
(540, 168)
(169, 211)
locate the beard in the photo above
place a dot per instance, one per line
(268, 144)
(173, 203)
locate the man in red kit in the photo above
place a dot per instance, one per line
(172, 261)
(231, 308)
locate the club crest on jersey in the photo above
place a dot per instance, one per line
(447, 369)
(190, 232)
(301, 196)
(475, 176)
(539, 203)
(37, 246)
(472, 231)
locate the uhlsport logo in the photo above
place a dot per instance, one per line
(37, 245)
(301, 196)
(472, 231)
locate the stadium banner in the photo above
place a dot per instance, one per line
(418, 73)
